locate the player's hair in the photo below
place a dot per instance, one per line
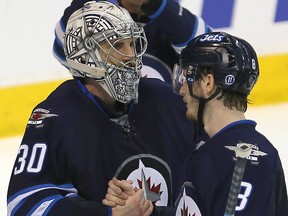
(231, 99)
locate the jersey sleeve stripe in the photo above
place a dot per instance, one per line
(60, 31)
(15, 201)
(159, 11)
(200, 28)
(43, 207)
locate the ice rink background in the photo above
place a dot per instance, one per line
(271, 120)
(26, 57)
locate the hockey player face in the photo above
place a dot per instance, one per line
(118, 52)
(191, 93)
(123, 67)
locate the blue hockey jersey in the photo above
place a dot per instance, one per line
(209, 175)
(168, 31)
(71, 149)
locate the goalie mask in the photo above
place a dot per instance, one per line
(104, 43)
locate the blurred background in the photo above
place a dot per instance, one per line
(29, 72)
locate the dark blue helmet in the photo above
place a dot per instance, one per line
(233, 60)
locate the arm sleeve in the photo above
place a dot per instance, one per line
(60, 30)
(179, 23)
(280, 190)
(38, 185)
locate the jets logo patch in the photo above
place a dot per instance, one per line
(188, 202)
(151, 174)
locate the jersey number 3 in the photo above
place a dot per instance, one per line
(246, 189)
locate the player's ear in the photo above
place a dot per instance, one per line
(209, 83)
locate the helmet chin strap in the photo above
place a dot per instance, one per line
(202, 102)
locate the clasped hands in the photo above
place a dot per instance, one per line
(125, 200)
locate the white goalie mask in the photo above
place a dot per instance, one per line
(95, 46)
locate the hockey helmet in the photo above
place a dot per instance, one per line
(104, 22)
(232, 59)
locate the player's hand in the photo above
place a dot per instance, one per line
(136, 205)
(118, 192)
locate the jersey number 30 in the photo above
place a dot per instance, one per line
(31, 160)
